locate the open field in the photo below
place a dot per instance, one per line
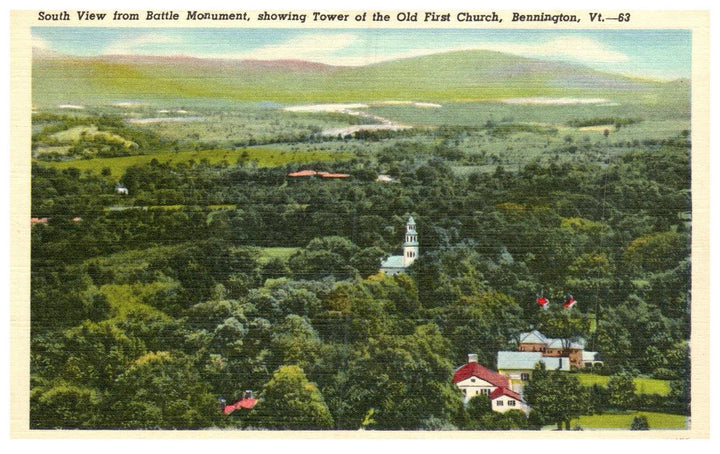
(282, 253)
(261, 156)
(642, 385)
(478, 113)
(126, 298)
(623, 421)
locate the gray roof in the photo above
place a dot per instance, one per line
(591, 356)
(528, 360)
(533, 337)
(558, 343)
(394, 261)
(536, 337)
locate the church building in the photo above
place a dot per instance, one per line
(398, 263)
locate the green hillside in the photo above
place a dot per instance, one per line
(453, 76)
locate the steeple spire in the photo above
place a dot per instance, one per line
(411, 246)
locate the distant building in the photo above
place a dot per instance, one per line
(411, 249)
(302, 173)
(36, 221)
(121, 190)
(474, 379)
(519, 366)
(573, 350)
(313, 173)
(385, 179)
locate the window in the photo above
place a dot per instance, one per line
(499, 403)
(524, 376)
(472, 380)
(511, 403)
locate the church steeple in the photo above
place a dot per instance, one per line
(411, 246)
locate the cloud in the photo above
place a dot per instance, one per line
(578, 49)
(316, 47)
(141, 45)
(39, 43)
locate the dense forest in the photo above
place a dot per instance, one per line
(209, 279)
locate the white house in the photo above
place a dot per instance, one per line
(411, 250)
(121, 190)
(473, 379)
(504, 399)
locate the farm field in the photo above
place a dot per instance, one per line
(261, 156)
(656, 421)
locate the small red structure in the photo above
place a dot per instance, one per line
(302, 173)
(570, 302)
(247, 402)
(333, 175)
(34, 221)
(543, 302)
(313, 173)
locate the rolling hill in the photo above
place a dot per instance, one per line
(453, 76)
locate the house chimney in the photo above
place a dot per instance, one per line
(472, 357)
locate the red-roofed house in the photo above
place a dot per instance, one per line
(313, 173)
(504, 399)
(333, 175)
(303, 173)
(474, 379)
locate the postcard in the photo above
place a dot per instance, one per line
(369, 224)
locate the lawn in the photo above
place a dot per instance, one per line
(282, 253)
(261, 156)
(624, 420)
(642, 385)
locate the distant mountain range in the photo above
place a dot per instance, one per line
(454, 76)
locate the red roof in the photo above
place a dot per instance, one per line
(505, 392)
(474, 369)
(303, 173)
(247, 403)
(333, 175)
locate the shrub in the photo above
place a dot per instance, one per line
(640, 423)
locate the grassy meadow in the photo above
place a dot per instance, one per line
(260, 156)
(656, 421)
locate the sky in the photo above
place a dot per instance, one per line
(656, 54)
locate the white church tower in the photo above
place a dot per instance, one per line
(410, 247)
(397, 263)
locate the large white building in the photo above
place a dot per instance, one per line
(411, 249)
